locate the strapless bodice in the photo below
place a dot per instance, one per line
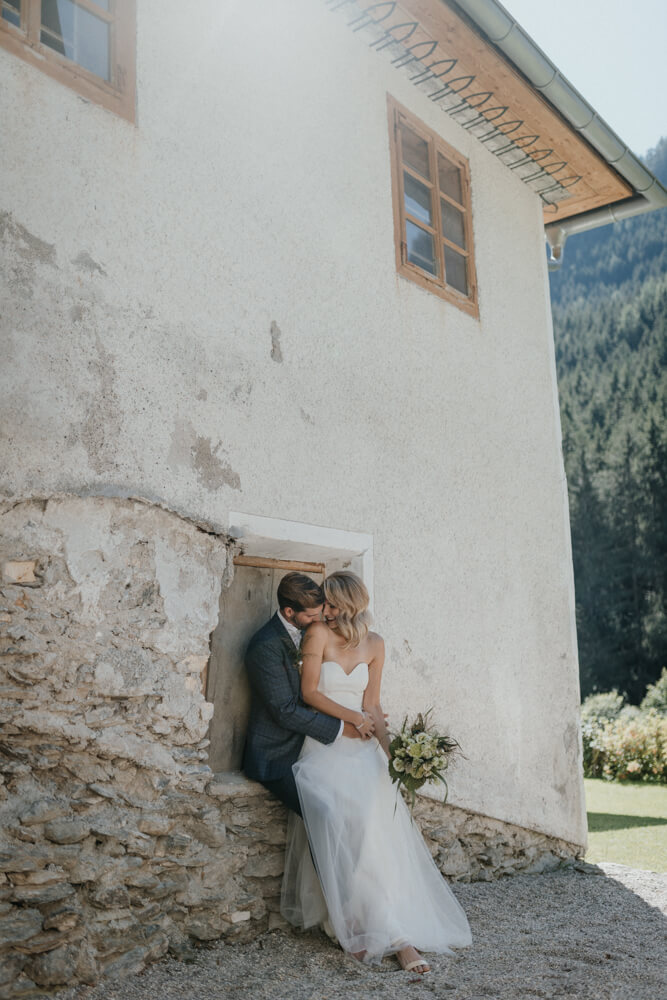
(346, 689)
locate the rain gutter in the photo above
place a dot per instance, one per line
(509, 37)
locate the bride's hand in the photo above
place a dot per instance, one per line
(365, 727)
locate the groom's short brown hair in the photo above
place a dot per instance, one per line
(298, 591)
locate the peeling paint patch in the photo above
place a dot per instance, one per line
(76, 314)
(212, 472)
(276, 350)
(101, 426)
(25, 253)
(306, 417)
(26, 245)
(202, 394)
(194, 451)
(86, 263)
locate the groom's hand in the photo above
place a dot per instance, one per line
(351, 731)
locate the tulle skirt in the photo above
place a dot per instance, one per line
(378, 887)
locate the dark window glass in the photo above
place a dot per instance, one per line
(11, 11)
(455, 270)
(417, 199)
(420, 248)
(449, 178)
(76, 34)
(453, 225)
(415, 152)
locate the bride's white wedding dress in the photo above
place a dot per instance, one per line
(378, 887)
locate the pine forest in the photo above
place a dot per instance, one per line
(609, 304)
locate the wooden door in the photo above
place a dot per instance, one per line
(245, 606)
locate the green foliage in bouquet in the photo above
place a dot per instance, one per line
(419, 754)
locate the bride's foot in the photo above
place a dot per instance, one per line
(410, 960)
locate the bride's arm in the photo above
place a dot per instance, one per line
(372, 693)
(312, 654)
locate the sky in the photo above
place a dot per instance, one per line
(613, 52)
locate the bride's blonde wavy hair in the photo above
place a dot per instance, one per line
(347, 592)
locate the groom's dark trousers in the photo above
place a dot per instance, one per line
(279, 719)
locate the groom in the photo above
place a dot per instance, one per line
(279, 719)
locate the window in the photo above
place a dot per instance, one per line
(432, 211)
(87, 44)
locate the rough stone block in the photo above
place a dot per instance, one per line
(105, 791)
(90, 868)
(206, 927)
(19, 925)
(262, 865)
(142, 847)
(547, 862)
(86, 964)
(193, 664)
(226, 785)
(44, 876)
(15, 861)
(53, 968)
(66, 831)
(213, 835)
(20, 572)
(110, 896)
(141, 880)
(39, 894)
(10, 967)
(42, 811)
(128, 964)
(179, 842)
(62, 920)
(20, 989)
(155, 825)
(45, 941)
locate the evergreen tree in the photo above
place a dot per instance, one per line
(610, 324)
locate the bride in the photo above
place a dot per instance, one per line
(379, 891)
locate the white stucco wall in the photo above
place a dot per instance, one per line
(145, 266)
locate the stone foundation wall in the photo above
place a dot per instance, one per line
(117, 842)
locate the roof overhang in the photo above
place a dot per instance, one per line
(473, 60)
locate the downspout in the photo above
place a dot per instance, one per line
(509, 37)
(556, 233)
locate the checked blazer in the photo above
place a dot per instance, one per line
(279, 719)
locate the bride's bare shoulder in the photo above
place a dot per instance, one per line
(376, 640)
(317, 630)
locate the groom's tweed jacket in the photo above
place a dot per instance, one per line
(279, 719)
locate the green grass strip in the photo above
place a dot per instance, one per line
(627, 823)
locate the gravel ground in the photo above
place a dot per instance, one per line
(590, 934)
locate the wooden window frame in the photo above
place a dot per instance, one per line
(468, 303)
(118, 94)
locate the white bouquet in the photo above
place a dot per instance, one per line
(417, 754)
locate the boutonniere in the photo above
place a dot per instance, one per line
(297, 656)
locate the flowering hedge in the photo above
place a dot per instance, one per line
(623, 743)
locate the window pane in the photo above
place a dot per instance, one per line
(415, 151)
(417, 199)
(420, 248)
(453, 226)
(449, 178)
(455, 270)
(76, 34)
(11, 11)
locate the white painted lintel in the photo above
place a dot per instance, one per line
(276, 538)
